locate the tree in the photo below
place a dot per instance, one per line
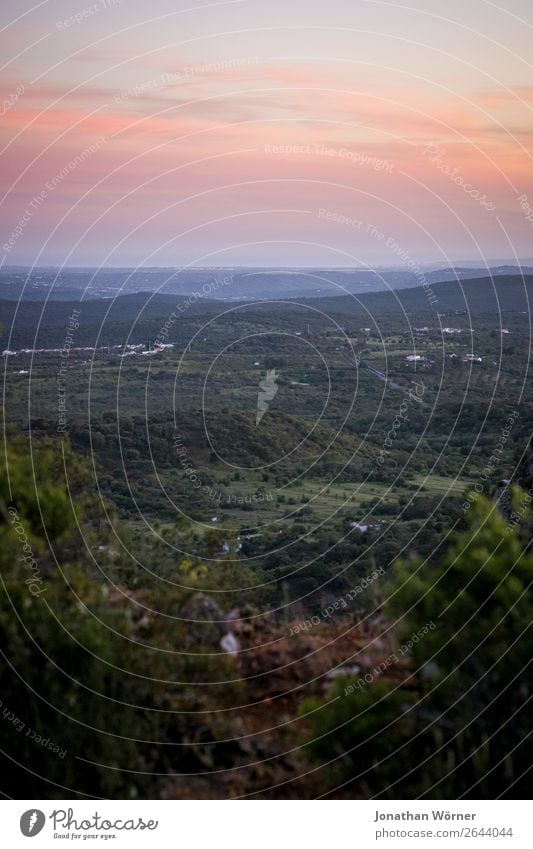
(460, 728)
(89, 692)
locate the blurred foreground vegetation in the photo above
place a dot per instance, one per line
(103, 689)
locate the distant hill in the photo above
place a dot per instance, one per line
(231, 284)
(141, 316)
(478, 296)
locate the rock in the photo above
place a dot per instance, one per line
(234, 615)
(345, 671)
(230, 644)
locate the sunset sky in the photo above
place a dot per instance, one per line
(266, 133)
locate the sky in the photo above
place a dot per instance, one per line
(352, 132)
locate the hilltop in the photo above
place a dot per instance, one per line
(139, 317)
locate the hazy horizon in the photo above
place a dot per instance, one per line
(457, 263)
